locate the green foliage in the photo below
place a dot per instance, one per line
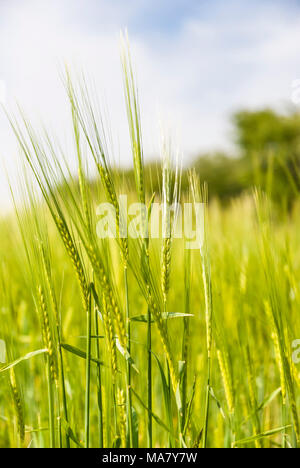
(267, 156)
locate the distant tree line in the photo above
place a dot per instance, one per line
(268, 156)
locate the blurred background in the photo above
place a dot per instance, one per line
(223, 77)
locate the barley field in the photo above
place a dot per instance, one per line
(139, 341)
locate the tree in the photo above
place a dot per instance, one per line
(271, 141)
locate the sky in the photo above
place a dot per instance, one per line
(196, 63)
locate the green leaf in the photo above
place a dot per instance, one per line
(178, 399)
(116, 443)
(217, 402)
(126, 355)
(150, 206)
(78, 352)
(36, 431)
(135, 421)
(95, 337)
(182, 441)
(198, 439)
(189, 408)
(21, 359)
(270, 433)
(166, 392)
(165, 316)
(140, 318)
(70, 433)
(269, 399)
(181, 368)
(170, 315)
(154, 416)
(263, 405)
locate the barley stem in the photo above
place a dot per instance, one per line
(88, 374)
(50, 403)
(128, 366)
(207, 402)
(149, 376)
(99, 382)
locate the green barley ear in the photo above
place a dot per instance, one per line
(227, 379)
(166, 242)
(134, 120)
(110, 298)
(109, 333)
(86, 116)
(18, 404)
(170, 213)
(83, 184)
(111, 195)
(165, 267)
(75, 258)
(47, 334)
(296, 374)
(49, 281)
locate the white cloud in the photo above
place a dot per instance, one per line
(194, 77)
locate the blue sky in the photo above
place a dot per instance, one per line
(196, 62)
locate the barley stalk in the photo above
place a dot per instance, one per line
(51, 361)
(162, 329)
(18, 404)
(122, 416)
(252, 394)
(278, 356)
